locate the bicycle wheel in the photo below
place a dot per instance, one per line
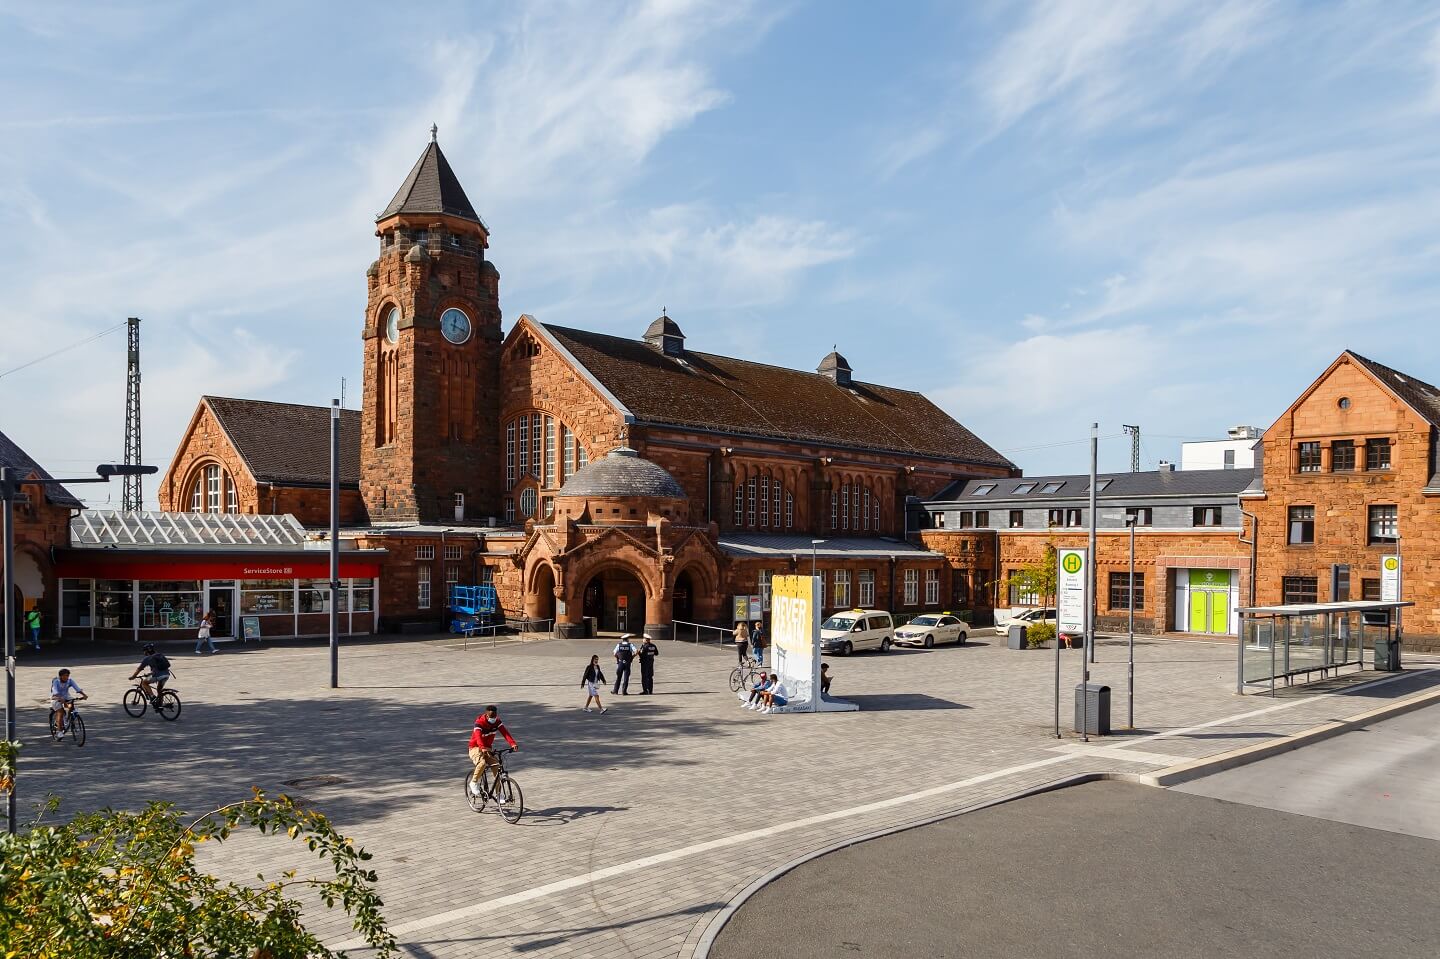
(77, 729)
(477, 803)
(737, 679)
(134, 702)
(169, 705)
(509, 798)
(54, 726)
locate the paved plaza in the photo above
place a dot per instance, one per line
(642, 823)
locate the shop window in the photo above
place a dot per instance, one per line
(422, 593)
(1342, 456)
(1299, 589)
(75, 602)
(867, 588)
(363, 591)
(114, 604)
(1377, 454)
(932, 587)
(1309, 457)
(1206, 516)
(1302, 526)
(1017, 519)
(1370, 590)
(167, 604)
(313, 596)
(912, 587)
(842, 588)
(1120, 590)
(267, 597)
(1384, 525)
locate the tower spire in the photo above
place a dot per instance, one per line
(434, 132)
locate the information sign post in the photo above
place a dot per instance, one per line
(1072, 615)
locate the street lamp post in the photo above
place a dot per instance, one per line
(10, 483)
(813, 543)
(1130, 522)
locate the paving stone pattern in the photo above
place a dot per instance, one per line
(939, 731)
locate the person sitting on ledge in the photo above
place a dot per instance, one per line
(757, 692)
(824, 679)
(774, 696)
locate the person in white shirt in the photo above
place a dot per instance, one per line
(63, 695)
(774, 696)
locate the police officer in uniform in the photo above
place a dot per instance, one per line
(648, 652)
(624, 653)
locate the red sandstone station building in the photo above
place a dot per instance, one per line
(611, 483)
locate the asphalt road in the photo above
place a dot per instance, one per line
(1106, 870)
(1385, 776)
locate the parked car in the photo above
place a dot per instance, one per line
(846, 632)
(1023, 617)
(932, 628)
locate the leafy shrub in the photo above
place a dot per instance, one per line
(1039, 634)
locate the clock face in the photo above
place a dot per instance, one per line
(392, 326)
(455, 325)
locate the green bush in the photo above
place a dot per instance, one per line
(1039, 634)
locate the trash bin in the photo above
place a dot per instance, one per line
(1015, 638)
(1387, 655)
(1092, 709)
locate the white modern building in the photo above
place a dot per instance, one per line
(1236, 451)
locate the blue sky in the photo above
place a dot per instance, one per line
(1039, 214)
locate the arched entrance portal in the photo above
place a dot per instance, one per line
(540, 600)
(683, 601)
(615, 599)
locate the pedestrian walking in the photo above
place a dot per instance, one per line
(757, 643)
(203, 636)
(742, 641)
(32, 621)
(625, 652)
(648, 652)
(593, 679)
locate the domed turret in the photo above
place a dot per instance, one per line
(622, 473)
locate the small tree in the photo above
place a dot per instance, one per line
(120, 884)
(1037, 578)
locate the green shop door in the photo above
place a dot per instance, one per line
(1209, 611)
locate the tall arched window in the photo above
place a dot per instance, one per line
(765, 501)
(543, 447)
(213, 490)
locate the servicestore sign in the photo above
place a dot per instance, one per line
(1072, 600)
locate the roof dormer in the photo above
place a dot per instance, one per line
(664, 335)
(836, 368)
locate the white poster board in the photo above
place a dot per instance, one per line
(795, 644)
(1390, 579)
(1072, 591)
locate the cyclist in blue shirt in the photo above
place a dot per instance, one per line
(63, 695)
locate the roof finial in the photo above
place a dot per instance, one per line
(664, 312)
(434, 132)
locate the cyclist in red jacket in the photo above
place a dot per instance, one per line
(482, 745)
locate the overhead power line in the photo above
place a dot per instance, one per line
(63, 349)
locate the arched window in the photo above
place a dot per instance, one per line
(779, 488)
(765, 500)
(527, 502)
(197, 496)
(232, 499)
(865, 513)
(543, 447)
(213, 491)
(789, 510)
(750, 501)
(845, 506)
(739, 503)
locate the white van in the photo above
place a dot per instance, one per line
(854, 629)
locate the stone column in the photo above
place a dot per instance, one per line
(658, 614)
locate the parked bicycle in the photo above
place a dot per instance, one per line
(75, 728)
(499, 788)
(167, 704)
(745, 676)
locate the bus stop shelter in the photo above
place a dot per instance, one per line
(1301, 640)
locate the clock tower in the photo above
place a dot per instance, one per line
(430, 429)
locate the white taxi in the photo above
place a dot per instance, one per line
(932, 628)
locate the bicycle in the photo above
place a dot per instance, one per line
(744, 676)
(509, 801)
(167, 704)
(76, 726)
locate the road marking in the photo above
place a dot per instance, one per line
(1115, 752)
(735, 839)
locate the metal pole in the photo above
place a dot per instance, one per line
(334, 543)
(1055, 601)
(1132, 622)
(1092, 600)
(7, 492)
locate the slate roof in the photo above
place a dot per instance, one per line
(1151, 483)
(289, 444)
(432, 187)
(724, 394)
(1421, 396)
(853, 547)
(622, 473)
(13, 456)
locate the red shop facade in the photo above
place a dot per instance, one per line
(157, 594)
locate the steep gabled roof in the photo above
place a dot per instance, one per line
(432, 187)
(1420, 396)
(286, 443)
(720, 393)
(13, 456)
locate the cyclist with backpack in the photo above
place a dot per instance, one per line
(158, 672)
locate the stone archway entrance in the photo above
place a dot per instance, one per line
(615, 598)
(683, 597)
(540, 599)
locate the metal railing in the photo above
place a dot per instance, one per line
(700, 633)
(519, 626)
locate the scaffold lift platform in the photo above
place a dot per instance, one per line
(472, 607)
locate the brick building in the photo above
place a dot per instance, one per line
(591, 478)
(1349, 473)
(41, 525)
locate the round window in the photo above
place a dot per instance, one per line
(527, 502)
(1344, 403)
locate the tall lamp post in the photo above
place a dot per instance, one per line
(10, 482)
(1130, 520)
(814, 543)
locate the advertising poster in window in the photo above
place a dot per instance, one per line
(795, 644)
(1072, 591)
